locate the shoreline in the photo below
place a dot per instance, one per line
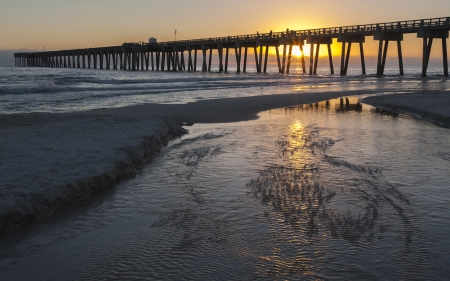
(47, 139)
(53, 162)
(54, 159)
(226, 110)
(431, 106)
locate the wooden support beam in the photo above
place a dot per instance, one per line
(161, 60)
(347, 58)
(170, 61)
(174, 60)
(157, 57)
(114, 64)
(183, 65)
(220, 52)
(363, 61)
(311, 59)
(238, 58)
(444, 56)
(430, 43)
(342, 71)
(152, 61)
(283, 67)
(226, 59)
(316, 59)
(289, 59)
(260, 59)
(278, 59)
(383, 63)
(195, 60)
(380, 55)
(244, 69)
(265, 59)
(255, 50)
(426, 44)
(210, 59)
(400, 57)
(303, 57)
(189, 60)
(204, 68)
(330, 58)
(129, 61)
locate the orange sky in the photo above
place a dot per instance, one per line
(57, 24)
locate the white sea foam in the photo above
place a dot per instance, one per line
(26, 89)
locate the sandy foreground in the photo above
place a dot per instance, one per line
(50, 160)
(432, 106)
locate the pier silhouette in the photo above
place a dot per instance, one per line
(171, 56)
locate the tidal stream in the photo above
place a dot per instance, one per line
(335, 190)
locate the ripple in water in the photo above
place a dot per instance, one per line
(334, 190)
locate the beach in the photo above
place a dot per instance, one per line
(50, 160)
(224, 175)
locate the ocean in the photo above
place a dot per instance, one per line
(331, 190)
(27, 89)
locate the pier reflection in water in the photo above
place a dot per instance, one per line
(332, 190)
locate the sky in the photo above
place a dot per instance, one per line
(68, 24)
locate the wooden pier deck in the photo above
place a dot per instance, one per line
(183, 55)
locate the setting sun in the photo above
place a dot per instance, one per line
(323, 51)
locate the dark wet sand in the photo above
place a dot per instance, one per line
(203, 111)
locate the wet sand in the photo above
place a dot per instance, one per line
(52, 159)
(432, 106)
(226, 110)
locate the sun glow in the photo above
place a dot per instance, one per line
(296, 52)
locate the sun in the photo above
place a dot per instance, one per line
(296, 50)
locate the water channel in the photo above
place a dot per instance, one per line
(334, 190)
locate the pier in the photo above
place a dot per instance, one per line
(183, 55)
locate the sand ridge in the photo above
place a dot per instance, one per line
(433, 106)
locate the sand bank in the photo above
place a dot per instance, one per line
(49, 160)
(430, 105)
(228, 109)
